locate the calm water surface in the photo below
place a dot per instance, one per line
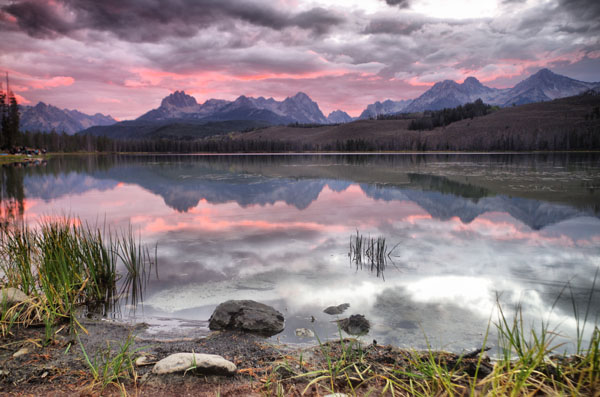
(469, 230)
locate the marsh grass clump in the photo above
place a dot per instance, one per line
(112, 365)
(351, 367)
(62, 266)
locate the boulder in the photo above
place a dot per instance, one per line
(247, 316)
(12, 296)
(339, 309)
(356, 324)
(202, 363)
(304, 333)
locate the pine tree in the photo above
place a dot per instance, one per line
(13, 122)
(3, 118)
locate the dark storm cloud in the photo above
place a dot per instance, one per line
(585, 28)
(37, 19)
(587, 10)
(152, 21)
(393, 26)
(399, 3)
(317, 19)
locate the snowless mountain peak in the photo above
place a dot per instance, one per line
(45, 118)
(338, 117)
(179, 99)
(178, 105)
(301, 95)
(472, 82)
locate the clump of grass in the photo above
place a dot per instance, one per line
(138, 262)
(62, 266)
(348, 366)
(112, 366)
(529, 364)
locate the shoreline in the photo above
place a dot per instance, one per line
(347, 365)
(60, 368)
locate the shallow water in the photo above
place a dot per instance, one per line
(468, 231)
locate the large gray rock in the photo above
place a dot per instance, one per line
(339, 309)
(356, 324)
(12, 296)
(247, 316)
(203, 363)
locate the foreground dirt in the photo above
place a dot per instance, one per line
(61, 369)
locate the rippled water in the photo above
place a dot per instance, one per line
(469, 230)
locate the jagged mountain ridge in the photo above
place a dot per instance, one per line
(339, 117)
(46, 118)
(386, 107)
(542, 86)
(179, 105)
(539, 87)
(450, 94)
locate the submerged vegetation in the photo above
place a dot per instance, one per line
(63, 266)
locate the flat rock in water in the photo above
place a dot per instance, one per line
(304, 333)
(12, 296)
(339, 309)
(203, 363)
(247, 316)
(356, 324)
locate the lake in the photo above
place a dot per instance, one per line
(465, 232)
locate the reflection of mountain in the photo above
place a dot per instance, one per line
(48, 186)
(182, 186)
(535, 214)
(184, 197)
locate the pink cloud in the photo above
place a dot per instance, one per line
(57, 81)
(22, 100)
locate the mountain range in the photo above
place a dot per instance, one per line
(46, 118)
(539, 87)
(182, 112)
(297, 109)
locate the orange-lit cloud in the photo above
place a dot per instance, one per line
(22, 100)
(53, 82)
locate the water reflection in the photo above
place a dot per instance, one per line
(12, 196)
(469, 228)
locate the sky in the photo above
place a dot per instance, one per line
(121, 57)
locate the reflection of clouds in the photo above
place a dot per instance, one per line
(476, 293)
(407, 323)
(268, 247)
